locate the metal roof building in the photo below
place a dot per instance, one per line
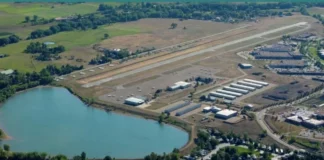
(220, 95)
(250, 84)
(7, 72)
(243, 91)
(226, 113)
(229, 92)
(256, 82)
(234, 85)
(134, 101)
(245, 65)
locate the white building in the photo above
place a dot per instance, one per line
(294, 120)
(256, 82)
(236, 90)
(220, 95)
(245, 65)
(234, 85)
(207, 109)
(179, 85)
(314, 123)
(226, 113)
(215, 109)
(250, 84)
(134, 101)
(229, 92)
(7, 72)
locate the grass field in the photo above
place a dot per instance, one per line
(23, 62)
(241, 150)
(316, 10)
(48, 10)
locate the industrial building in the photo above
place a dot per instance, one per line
(188, 109)
(234, 85)
(287, 64)
(176, 107)
(229, 92)
(277, 55)
(245, 65)
(277, 48)
(250, 84)
(321, 53)
(312, 123)
(134, 101)
(294, 120)
(256, 82)
(304, 37)
(220, 95)
(215, 109)
(243, 91)
(305, 73)
(179, 85)
(226, 113)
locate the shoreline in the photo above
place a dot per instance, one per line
(127, 111)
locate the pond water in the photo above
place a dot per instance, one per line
(53, 120)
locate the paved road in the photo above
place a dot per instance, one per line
(260, 119)
(95, 83)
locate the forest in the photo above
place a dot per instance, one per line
(9, 40)
(17, 81)
(45, 53)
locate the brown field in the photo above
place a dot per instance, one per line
(157, 33)
(282, 127)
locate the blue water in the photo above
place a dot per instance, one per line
(53, 120)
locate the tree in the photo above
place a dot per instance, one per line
(107, 158)
(173, 25)
(27, 19)
(83, 156)
(106, 35)
(35, 18)
(6, 147)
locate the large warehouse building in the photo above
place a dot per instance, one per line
(221, 95)
(226, 113)
(250, 84)
(134, 101)
(234, 85)
(256, 82)
(288, 64)
(243, 91)
(229, 92)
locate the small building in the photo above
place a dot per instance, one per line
(179, 85)
(226, 113)
(215, 109)
(207, 109)
(229, 92)
(134, 101)
(235, 85)
(245, 65)
(249, 106)
(243, 91)
(7, 72)
(249, 84)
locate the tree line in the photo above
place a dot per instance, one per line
(45, 53)
(225, 12)
(18, 81)
(9, 40)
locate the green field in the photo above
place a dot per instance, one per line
(241, 150)
(48, 10)
(316, 10)
(23, 62)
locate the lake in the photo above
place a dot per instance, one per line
(52, 120)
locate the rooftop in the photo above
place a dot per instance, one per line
(314, 122)
(7, 72)
(289, 62)
(226, 112)
(134, 99)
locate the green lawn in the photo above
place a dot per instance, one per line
(23, 62)
(314, 53)
(316, 10)
(48, 10)
(241, 150)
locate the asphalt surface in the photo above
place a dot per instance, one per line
(148, 67)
